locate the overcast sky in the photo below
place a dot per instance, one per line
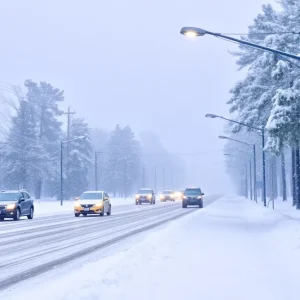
(124, 61)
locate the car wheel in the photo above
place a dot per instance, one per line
(76, 215)
(30, 216)
(1, 219)
(109, 211)
(184, 205)
(17, 215)
(136, 203)
(201, 205)
(102, 213)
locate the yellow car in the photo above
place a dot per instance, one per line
(92, 203)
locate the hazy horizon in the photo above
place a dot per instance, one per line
(125, 62)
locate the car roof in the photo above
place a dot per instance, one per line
(193, 188)
(145, 189)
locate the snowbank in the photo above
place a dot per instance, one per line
(233, 249)
(45, 207)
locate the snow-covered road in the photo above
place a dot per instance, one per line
(232, 249)
(33, 247)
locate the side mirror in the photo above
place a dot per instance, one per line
(77, 198)
(22, 200)
(105, 198)
(202, 194)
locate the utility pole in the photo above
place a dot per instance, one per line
(246, 181)
(61, 174)
(163, 179)
(250, 170)
(125, 181)
(144, 171)
(172, 180)
(155, 178)
(254, 175)
(68, 114)
(96, 171)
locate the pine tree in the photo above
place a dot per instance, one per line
(123, 165)
(44, 100)
(79, 158)
(23, 157)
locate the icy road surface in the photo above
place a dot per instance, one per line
(32, 247)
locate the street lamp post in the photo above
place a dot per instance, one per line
(155, 178)
(61, 165)
(194, 32)
(254, 152)
(254, 162)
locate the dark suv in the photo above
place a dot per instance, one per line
(145, 196)
(14, 204)
(192, 196)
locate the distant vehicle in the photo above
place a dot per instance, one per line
(192, 196)
(178, 195)
(92, 203)
(167, 196)
(15, 204)
(145, 196)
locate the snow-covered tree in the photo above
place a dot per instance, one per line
(123, 167)
(262, 98)
(23, 157)
(79, 159)
(44, 100)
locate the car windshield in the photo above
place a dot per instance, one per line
(9, 197)
(168, 192)
(92, 196)
(193, 192)
(145, 192)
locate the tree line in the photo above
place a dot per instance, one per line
(269, 97)
(30, 155)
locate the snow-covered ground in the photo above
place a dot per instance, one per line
(233, 249)
(48, 206)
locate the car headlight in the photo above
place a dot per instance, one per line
(77, 205)
(137, 196)
(172, 196)
(99, 204)
(200, 197)
(162, 197)
(184, 197)
(10, 206)
(149, 196)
